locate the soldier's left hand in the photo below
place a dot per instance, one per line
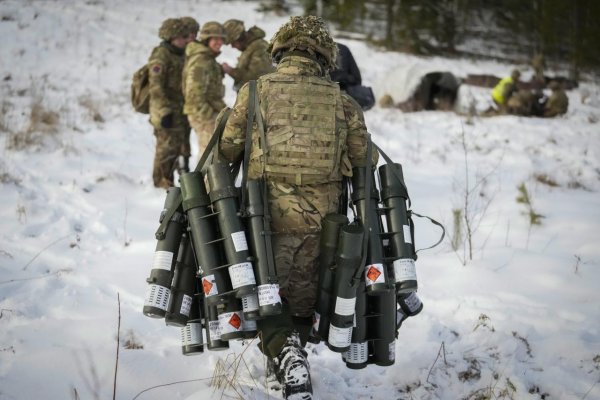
(226, 67)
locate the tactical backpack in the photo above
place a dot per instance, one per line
(140, 90)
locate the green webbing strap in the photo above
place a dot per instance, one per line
(390, 162)
(368, 182)
(266, 211)
(255, 115)
(248, 143)
(433, 221)
(160, 233)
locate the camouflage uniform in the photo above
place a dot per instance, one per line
(171, 128)
(255, 59)
(315, 135)
(558, 102)
(203, 86)
(538, 64)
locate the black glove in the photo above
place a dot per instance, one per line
(167, 121)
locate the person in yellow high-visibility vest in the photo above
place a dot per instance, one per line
(505, 88)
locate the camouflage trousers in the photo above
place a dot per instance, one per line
(170, 144)
(296, 260)
(296, 213)
(204, 129)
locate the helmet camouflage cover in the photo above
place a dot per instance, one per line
(212, 29)
(190, 24)
(308, 34)
(234, 29)
(172, 28)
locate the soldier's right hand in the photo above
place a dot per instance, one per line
(167, 121)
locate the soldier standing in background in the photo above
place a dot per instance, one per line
(302, 110)
(192, 26)
(538, 64)
(203, 81)
(171, 127)
(254, 60)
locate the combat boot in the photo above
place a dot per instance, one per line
(292, 370)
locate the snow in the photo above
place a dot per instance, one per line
(520, 320)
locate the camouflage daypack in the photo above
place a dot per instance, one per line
(140, 91)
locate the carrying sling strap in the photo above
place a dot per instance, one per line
(433, 221)
(394, 172)
(200, 167)
(254, 114)
(410, 212)
(365, 222)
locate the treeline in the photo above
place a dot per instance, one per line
(566, 32)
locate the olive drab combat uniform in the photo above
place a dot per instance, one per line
(254, 60)
(557, 103)
(171, 127)
(314, 135)
(202, 85)
(538, 64)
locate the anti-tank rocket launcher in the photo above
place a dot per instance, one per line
(375, 310)
(330, 232)
(258, 217)
(163, 263)
(183, 285)
(385, 284)
(240, 313)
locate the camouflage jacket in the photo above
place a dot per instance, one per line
(254, 61)
(202, 83)
(299, 208)
(557, 104)
(234, 135)
(165, 67)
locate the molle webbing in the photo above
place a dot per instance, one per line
(306, 130)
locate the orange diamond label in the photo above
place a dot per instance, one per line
(235, 321)
(207, 286)
(373, 273)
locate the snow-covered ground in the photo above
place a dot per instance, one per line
(520, 320)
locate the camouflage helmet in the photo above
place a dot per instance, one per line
(554, 85)
(212, 29)
(172, 28)
(307, 34)
(234, 29)
(190, 24)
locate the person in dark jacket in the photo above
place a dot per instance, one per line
(347, 72)
(347, 75)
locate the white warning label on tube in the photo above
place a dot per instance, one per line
(404, 270)
(345, 306)
(407, 235)
(268, 294)
(186, 305)
(339, 337)
(241, 275)
(162, 260)
(239, 241)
